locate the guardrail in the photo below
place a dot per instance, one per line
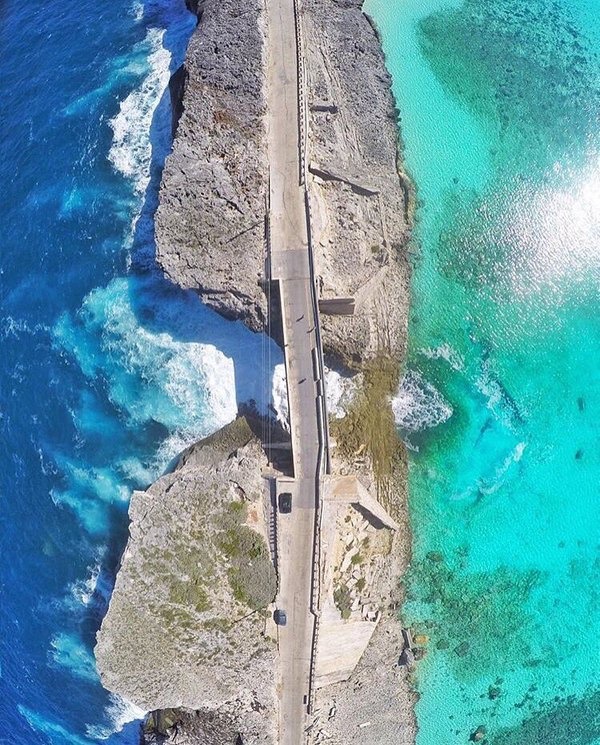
(323, 459)
(315, 604)
(324, 430)
(302, 108)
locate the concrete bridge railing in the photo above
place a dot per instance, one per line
(324, 461)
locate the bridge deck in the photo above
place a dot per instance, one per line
(290, 264)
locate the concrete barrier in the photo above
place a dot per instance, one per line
(324, 462)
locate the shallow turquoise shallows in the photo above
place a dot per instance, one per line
(500, 119)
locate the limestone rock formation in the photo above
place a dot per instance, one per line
(359, 195)
(210, 219)
(210, 224)
(185, 627)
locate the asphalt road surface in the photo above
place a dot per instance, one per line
(290, 265)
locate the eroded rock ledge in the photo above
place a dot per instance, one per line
(211, 214)
(359, 194)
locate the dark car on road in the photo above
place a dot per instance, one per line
(285, 502)
(280, 617)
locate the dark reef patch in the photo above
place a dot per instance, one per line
(569, 721)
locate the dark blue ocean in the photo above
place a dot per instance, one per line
(106, 370)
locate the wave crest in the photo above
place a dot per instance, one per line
(418, 405)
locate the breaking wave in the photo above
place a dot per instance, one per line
(418, 405)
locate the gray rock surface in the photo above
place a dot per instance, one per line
(210, 219)
(184, 628)
(205, 727)
(211, 216)
(375, 706)
(359, 195)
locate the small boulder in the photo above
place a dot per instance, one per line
(478, 735)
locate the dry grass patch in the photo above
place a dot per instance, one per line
(369, 427)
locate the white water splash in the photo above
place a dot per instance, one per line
(119, 713)
(131, 150)
(279, 397)
(418, 405)
(340, 391)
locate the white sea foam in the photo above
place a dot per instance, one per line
(280, 397)
(69, 651)
(92, 591)
(131, 149)
(136, 471)
(155, 376)
(418, 405)
(137, 10)
(83, 590)
(16, 327)
(216, 370)
(445, 352)
(89, 492)
(340, 391)
(142, 127)
(119, 712)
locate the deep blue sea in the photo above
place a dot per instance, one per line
(106, 371)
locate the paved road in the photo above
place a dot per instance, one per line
(290, 265)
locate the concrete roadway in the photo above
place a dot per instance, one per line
(290, 265)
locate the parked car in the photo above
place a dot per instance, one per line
(285, 502)
(280, 617)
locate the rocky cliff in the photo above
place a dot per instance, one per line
(211, 215)
(359, 194)
(210, 224)
(185, 627)
(184, 635)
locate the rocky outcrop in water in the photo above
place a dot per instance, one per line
(185, 627)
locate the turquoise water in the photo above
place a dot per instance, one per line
(500, 112)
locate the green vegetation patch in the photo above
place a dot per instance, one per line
(190, 594)
(230, 438)
(343, 600)
(369, 424)
(251, 573)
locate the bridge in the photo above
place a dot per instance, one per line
(291, 268)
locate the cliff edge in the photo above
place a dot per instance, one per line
(360, 197)
(185, 626)
(210, 222)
